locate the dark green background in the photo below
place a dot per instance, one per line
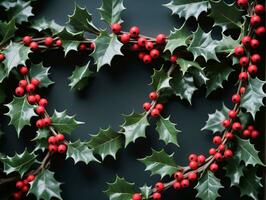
(118, 90)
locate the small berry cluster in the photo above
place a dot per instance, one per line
(23, 186)
(154, 108)
(57, 143)
(250, 132)
(34, 44)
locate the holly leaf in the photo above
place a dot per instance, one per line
(80, 152)
(160, 80)
(188, 8)
(20, 163)
(217, 73)
(167, 130)
(120, 189)
(134, 127)
(106, 142)
(16, 54)
(42, 133)
(70, 41)
(7, 31)
(20, 11)
(208, 186)
(227, 45)
(250, 184)
(214, 122)
(20, 113)
(177, 38)
(80, 77)
(44, 24)
(234, 171)
(203, 45)
(183, 86)
(41, 73)
(185, 65)
(45, 186)
(111, 11)
(159, 162)
(81, 20)
(247, 153)
(106, 47)
(252, 99)
(230, 19)
(3, 72)
(146, 191)
(64, 123)
(198, 75)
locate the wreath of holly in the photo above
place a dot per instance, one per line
(192, 59)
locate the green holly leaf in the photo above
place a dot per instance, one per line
(120, 189)
(20, 11)
(81, 20)
(177, 38)
(7, 31)
(44, 24)
(227, 45)
(42, 133)
(185, 65)
(70, 41)
(146, 191)
(188, 8)
(16, 54)
(203, 45)
(41, 73)
(217, 73)
(20, 163)
(20, 113)
(160, 163)
(198, 75)
(167, 130)
(45, 186)
(160, 80)
(80, 77)
(183, 86)
(106, 142)
(250, 184)
(3, 72)
(252, 99)
(247, 153)
(214, 122)
(64, 123)
(134, 127)
(208, 186)
(106, 47)
(234, 171)
(245, 119)
(80, 152)
(230, 19)
(111, 11)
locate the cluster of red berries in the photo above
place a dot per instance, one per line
(56, 143)
(250, 132)
(34, 43)
(157, 108)
(23, 186)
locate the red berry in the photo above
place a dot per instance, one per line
(116, 28)
(134, 31)
(229, 136)
(239, 51)
(154, 53)
(135, 47)
(218, 156)
(156, 196)
(226, 123)
(92, 45)
(255, 20)
(173, 58)
(201, 159)
(159, 186)
(184, 183)
(149, 46)
(236, 126)
(27, 40)
(30, 88)
(146, 106)
(155, 112)
(58, 43)
(160, 39)
(48, 41)
(254, 134)
(19, 91)
(52, 140)
(141, 55)
(228, 153)
(35, 81)
(52, 148)
(34, 45)
(17, 195)
(142, 41)
(25, 188)
(221, 147)
(244, 61)
(176, 185)
(260, 31)
(242, 3)
(40, 110)
(37, 97)
(30, 178)
(153, 95)
(2, 57)
(39, 123)
(236, 98)
(23, 83)
(246, 133)
(217, 140)
(147, 59)
(31, 99)
(125, 38)
(254, 43)
(23, 70)
(60, 137)
(214, 167)
(62, 148)
(47, 121)
(19, 184)
(192, 176)
(159, 107)
(136, 196)
(250, 128)
(193, 165)
(255, 58)
(243, 76)
(242, 90)
(179, 176)
(232, 114)
(259, 9)
(43, 102)
(82, 47)
(246, 40)
(252, 69)
(212, 151)
(193, 157)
